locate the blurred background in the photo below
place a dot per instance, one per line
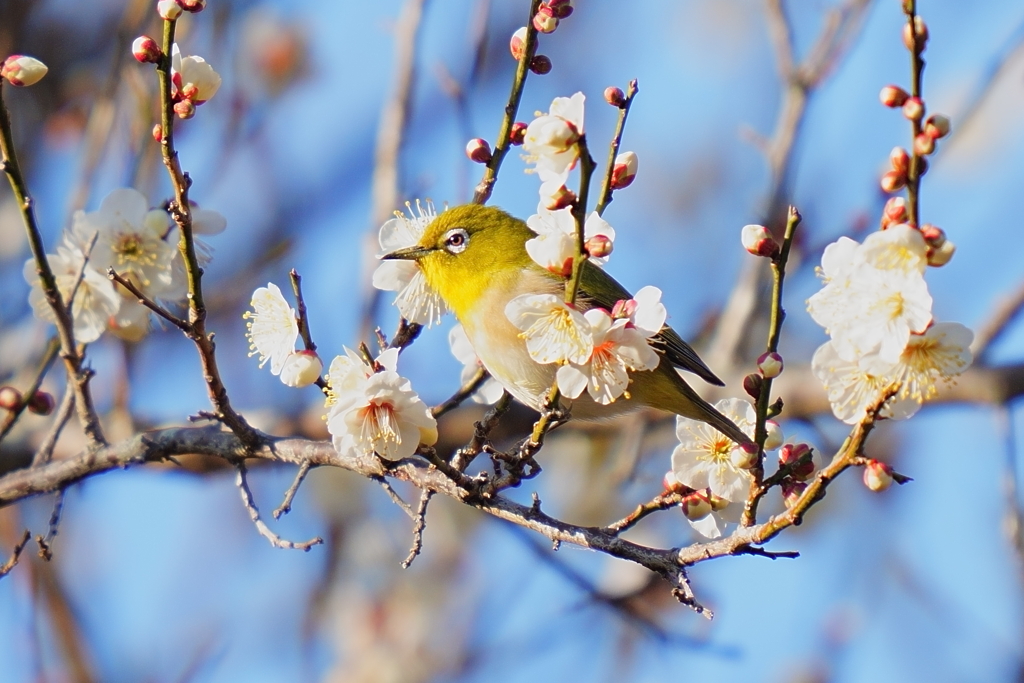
(158, 574)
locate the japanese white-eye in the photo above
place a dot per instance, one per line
(475, 258)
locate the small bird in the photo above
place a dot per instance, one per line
(475, 258)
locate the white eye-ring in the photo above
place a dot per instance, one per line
(455, 241)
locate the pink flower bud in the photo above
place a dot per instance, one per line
(924, 144)
(744, 457)
(301, 369)
(193, 6)
(895, 212)
(899, 160)
(791, 491)
(893, 181)
(560, 8)
(921, 31)
(752, 384)
(169, 10)
(769, 364)
(877, 475)
(478, 150)
(23, 71)
(517, 45)
(146, 51)
(913, 108)
(10, 398)
(893, 96)
(922, 166)
(758, 241)
(541, 65)
(937, 126)
(933, 235)
(624, 170)
(190, 92)
(598, 246)
(696, 506)
(797, 453)
(41, 403)
(560, 198)
(158, 133)
(185, 109)
(544, 20)
(624, 308)
(518, 133)
(940, 256)
(774, 436)
(614, 96)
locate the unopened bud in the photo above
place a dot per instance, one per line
(769, 364)
(185, 109)
(624, 308)
(744, 457)
(773, 435)
(544, 20)
(158, 132)
(560, 198)
(893, 181)
(624, 170)
(145, 50)
(893, 96)
(696, 506)
(598, 246)
(791, 491)
(899, 160)
(752, 384)
(877, 475)
(517, 45)
(933, 235)
(940, 256)
(913, 108)
(916, 39)
(614, 96)
(518, 133)
(895, 212)
(41, 403)
(922, 166)
(169, 10)
(23, 71)
(10, 398)
(478, 150)
(560, 8)
(301, 369)
(937, 126)
(924, 144)
(800, 457)
(193, 6)
(758, 241)
(541, 65)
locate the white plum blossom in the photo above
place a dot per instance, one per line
(900, 247)
(491, 390)
(206, 221)
(301, 369)
(644, 311)
(554, 331)
(852, 388)
(554, 247)
(132, 321)
(703, 458)
(272, 328)
(416, 301)
(192, 78)
(618, 347)
(374, 409)
(942, 352)
(551, 138)
(95, 302)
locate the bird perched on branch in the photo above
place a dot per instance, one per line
(475, 257)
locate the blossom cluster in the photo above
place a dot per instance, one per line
(876, 308)
(140, 243)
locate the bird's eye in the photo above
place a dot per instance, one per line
(455, 241)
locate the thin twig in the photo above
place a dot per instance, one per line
(395, 498)
(7, 566)
(660, 502)
(464, 392)
(289, 495)
(300, 309)
(44, 453)
(916, 77)
(1006, 311)
(182, 325)
(254, 515)
(45, 362)
(417, 528)
(605, 198)
(464, 456)
(52, 528)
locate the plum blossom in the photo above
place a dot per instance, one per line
(21, 70)
(373, 409)
(554, 331)
(551, 138)
(192, 78)
(491, 390)
(554, 247)
(272, 328)
(301, 369)
(416, 301)
(703, 458)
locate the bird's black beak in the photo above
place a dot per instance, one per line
(414, 253)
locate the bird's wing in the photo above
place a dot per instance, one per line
(598, 288)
